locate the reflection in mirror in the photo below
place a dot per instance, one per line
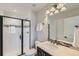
(60, 29)
(64, 30)
(52, 29)
(56, 29)
(70, 31)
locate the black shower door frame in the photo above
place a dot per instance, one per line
(1, 33)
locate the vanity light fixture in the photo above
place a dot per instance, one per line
(55, 9)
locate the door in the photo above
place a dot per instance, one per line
(26, 36)
(11, 37)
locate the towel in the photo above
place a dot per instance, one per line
(39, 27)
(76, 37)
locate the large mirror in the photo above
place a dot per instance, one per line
(56, 29)
(52, 29)
(64, 29)
(64, 26)
(70, 29)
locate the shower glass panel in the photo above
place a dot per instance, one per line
(26, 34)
(11, 37)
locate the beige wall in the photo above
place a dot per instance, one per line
(43, 34)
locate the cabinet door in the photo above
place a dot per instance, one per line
(41, 52)
(11, 37)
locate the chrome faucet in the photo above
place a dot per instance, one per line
(54, 41)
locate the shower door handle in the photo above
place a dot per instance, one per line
(27, 32)
(20, 37)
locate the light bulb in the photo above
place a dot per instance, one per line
(52, 9)
(56, 11)
(63, 9)
(51, 13)
(47, 11)
(60, 6)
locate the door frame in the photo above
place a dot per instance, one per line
(1, 33)
(29, 34)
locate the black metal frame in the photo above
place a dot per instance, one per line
(1, 36)
(48, 32)
(1, 33)
(30, 35)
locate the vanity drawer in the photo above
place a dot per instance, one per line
(41, 52)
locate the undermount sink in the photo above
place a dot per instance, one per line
(50, 45)
(57, 50)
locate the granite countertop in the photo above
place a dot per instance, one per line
(57, 50)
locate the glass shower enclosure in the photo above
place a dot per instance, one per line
(16, 35)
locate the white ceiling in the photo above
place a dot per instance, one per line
(22, 6)
(71, 6)
(32, 6)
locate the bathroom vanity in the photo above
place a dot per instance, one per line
(49, 49)
(41, 52)
(62, 28)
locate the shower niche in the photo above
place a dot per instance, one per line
(15, 36)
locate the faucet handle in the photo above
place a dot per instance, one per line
(65, 37)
